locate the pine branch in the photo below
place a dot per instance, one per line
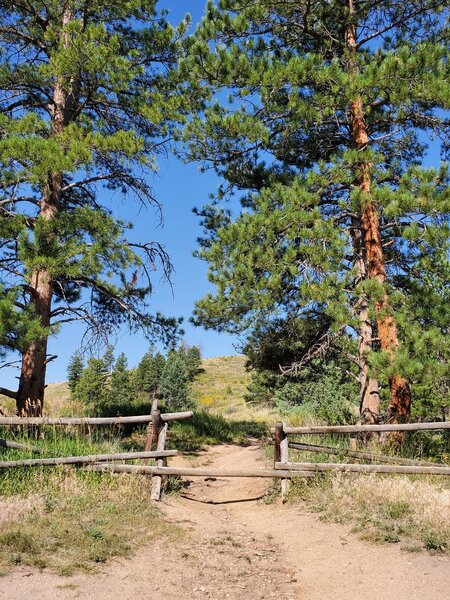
(8, 393)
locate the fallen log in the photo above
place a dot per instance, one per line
(17, 446)
(396, 460)
(364, 428)
(93, 458)
(351, 468)
(7, 421)
(200, 471)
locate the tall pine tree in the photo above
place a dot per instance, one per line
(87, 101)
(74, 371)
(325, 136)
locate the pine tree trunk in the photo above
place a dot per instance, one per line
(369, 393)
(399, 387)
(30, 394)
(399, 409)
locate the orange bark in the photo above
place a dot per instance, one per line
(30, 394)
(399, 386)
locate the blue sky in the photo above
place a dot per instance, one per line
(179, 188)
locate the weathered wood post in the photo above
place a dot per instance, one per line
(157, 479)
(281, 455)
(277, 440)
(150, 436)
(284, 447)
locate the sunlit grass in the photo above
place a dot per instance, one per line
(411, 511)
(69, 519)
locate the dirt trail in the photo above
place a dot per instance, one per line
(234, 548)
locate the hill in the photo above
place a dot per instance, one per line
(219, 387)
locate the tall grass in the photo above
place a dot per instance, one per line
(69, 519)
(410, 510)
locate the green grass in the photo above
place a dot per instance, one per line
(207, 428)
(68, 519)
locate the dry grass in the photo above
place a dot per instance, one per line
(77, 520)
(220, 389)
(393, 509)
(57, 401)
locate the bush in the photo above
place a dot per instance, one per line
(327, 400)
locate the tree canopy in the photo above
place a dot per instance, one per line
(88, 100)
(331, 110)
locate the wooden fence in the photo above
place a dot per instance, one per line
(157, 429)
(282, 444)
(284, 469)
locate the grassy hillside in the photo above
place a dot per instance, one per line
(221, 384)
(219, 387)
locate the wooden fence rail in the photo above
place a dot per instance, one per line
(200, 471)
(352, 468)
(405, 466)
(364, 428)
(396, 460)
(93, 458)
(17, 446)
(168, 417)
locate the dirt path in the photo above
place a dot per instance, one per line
(234, 548)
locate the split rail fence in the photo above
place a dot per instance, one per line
(284, 469)
(157, 427)
(282, 444)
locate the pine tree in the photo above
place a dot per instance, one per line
(88, 97)
(174, 384)
(324, 137)
(121, 390)
(74, 371)
(148, 373)
(191, 358)
(92, 388)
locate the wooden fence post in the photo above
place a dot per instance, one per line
(157, 479)
(284, 451)
(149, 438)
(277, 439)
(281, 454)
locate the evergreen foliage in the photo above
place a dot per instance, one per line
(324, 138)
(92, 388)
(191, 358)
(174, 384)
(74, 370)
(148, 373)
(88, 99)
(121, 389)
(107, 387)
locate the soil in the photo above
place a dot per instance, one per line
(235, 547)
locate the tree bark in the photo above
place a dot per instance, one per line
(399, 386)
(369, 392)
(30, 394)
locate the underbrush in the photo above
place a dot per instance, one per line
(206, 428)
(383, 508)
(409, 510)
(68, 519)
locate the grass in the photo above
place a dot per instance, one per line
(409, 510)
(219, 389)
(207, 428)
(71, 520)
